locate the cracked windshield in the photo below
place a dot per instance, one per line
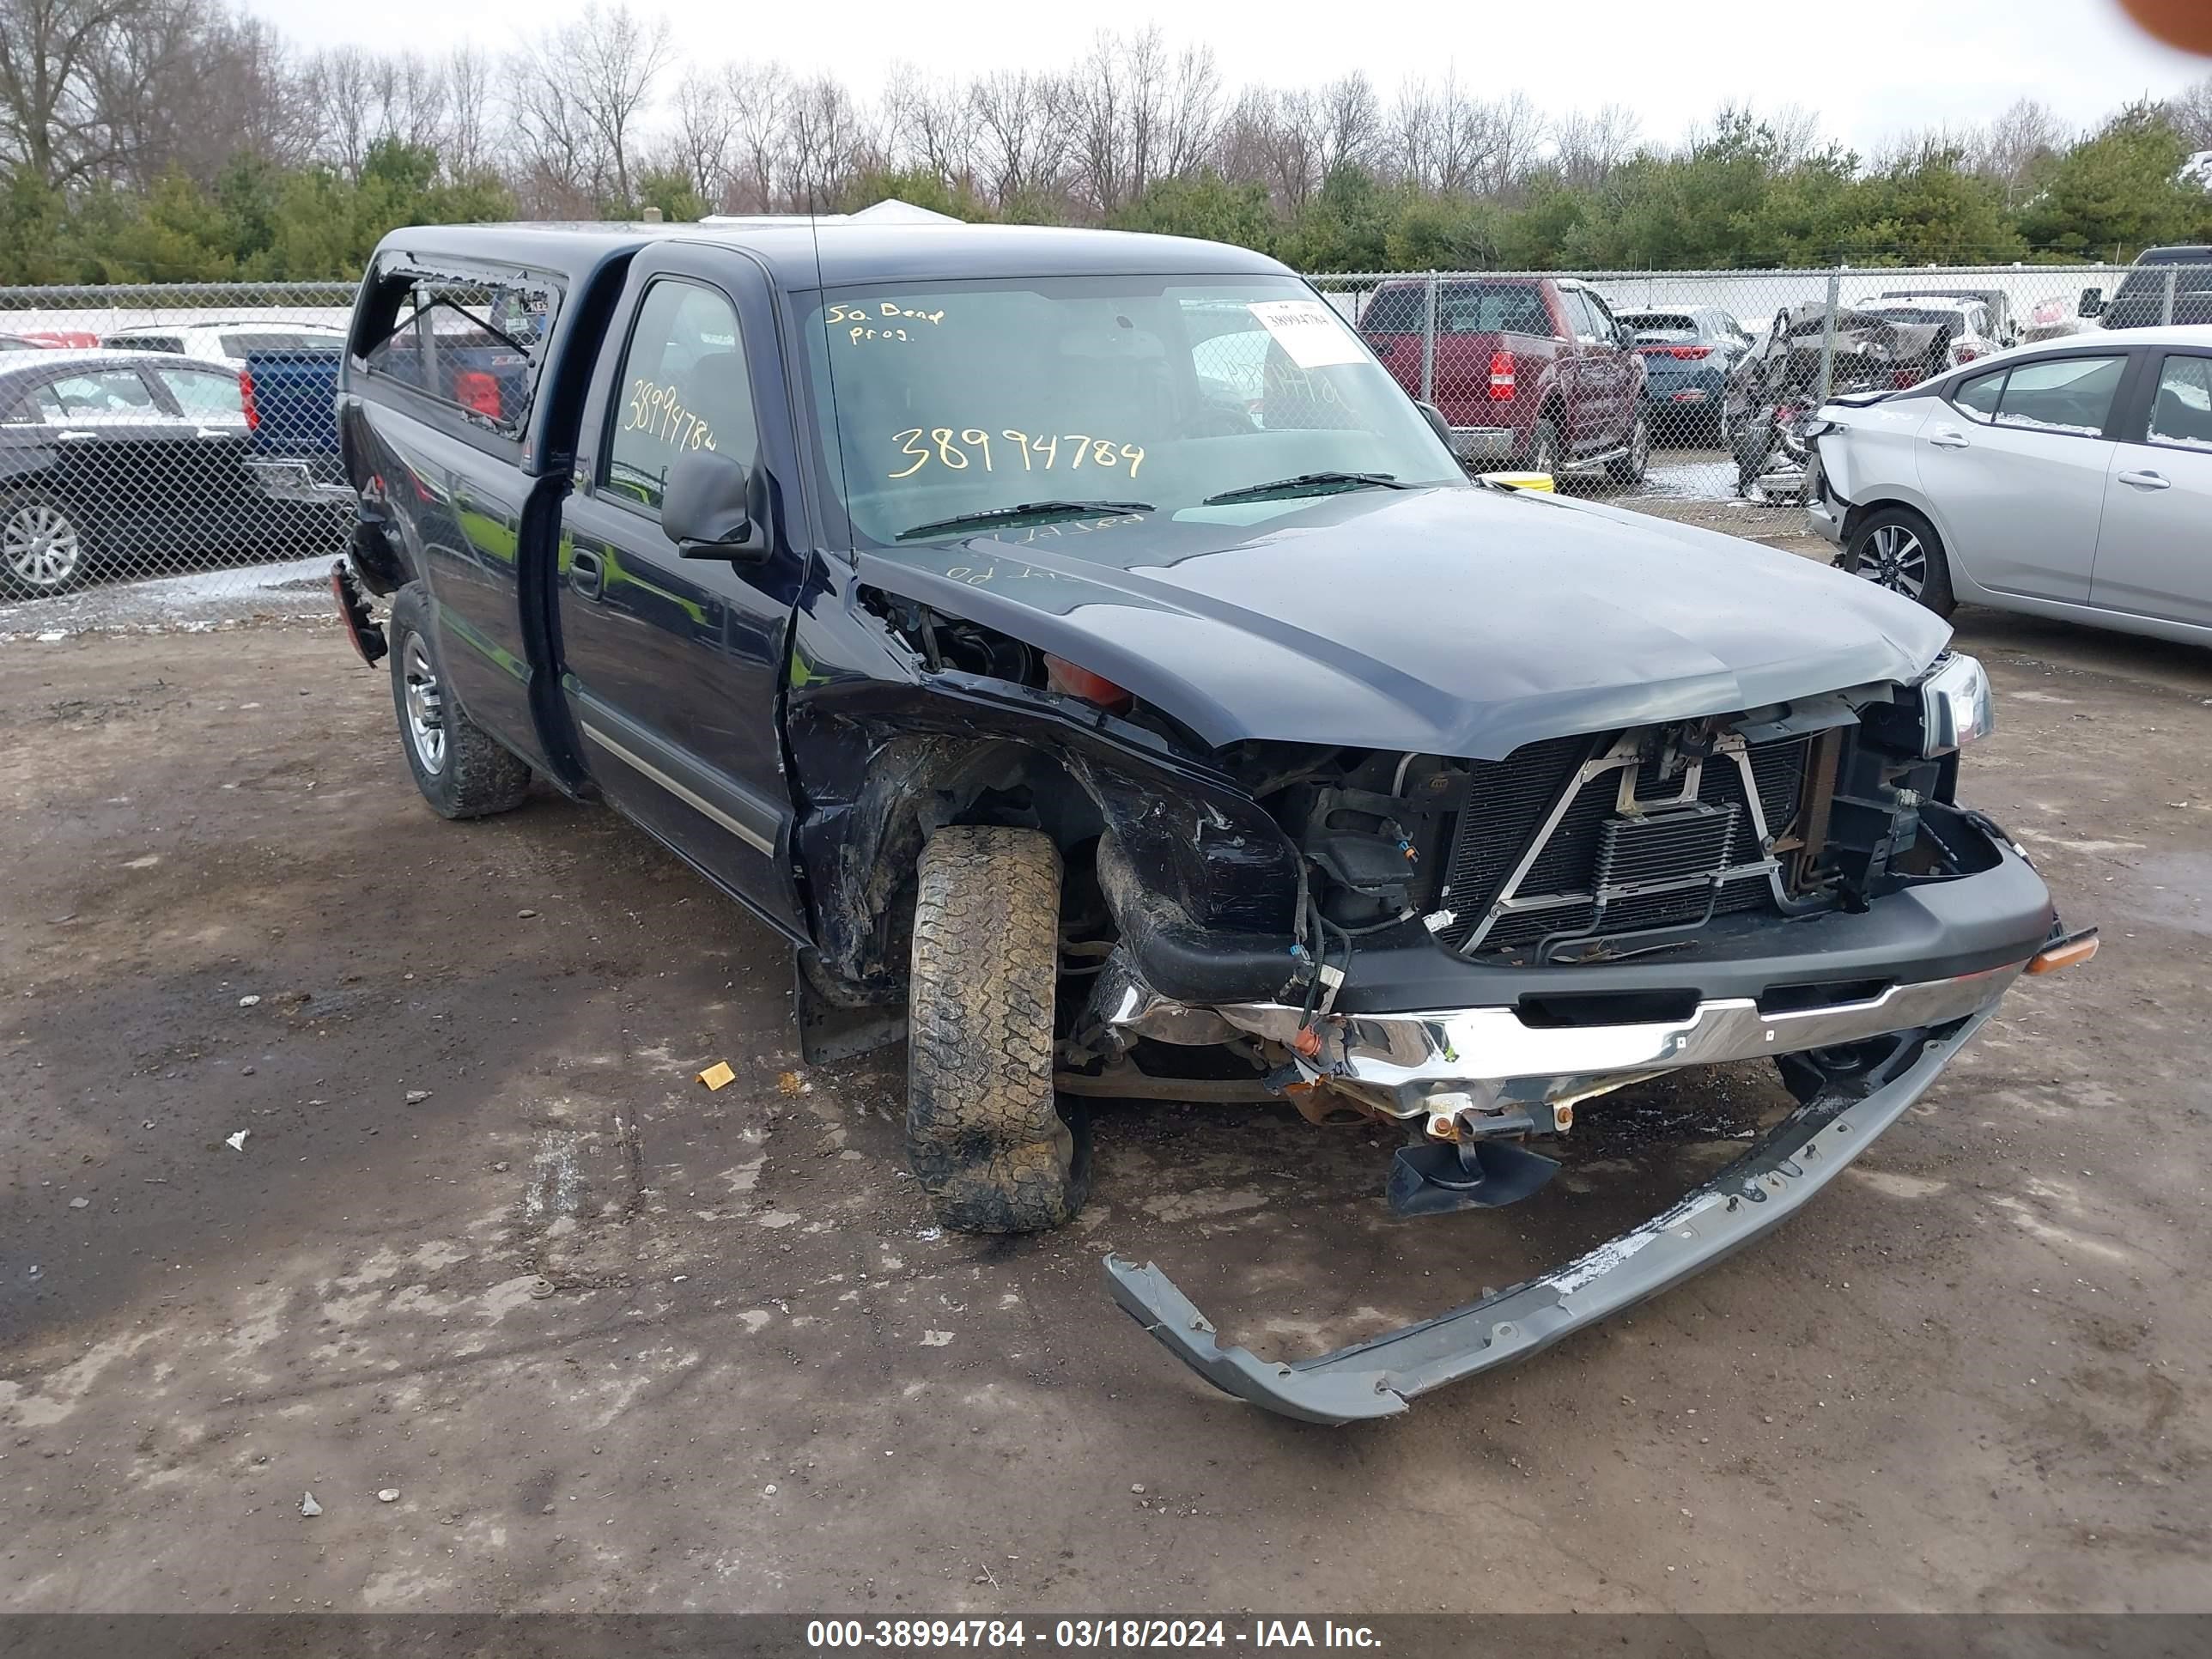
(954, 409)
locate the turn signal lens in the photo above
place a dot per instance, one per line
(1069, 681)
(2067, 953)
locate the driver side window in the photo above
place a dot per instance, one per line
(683, 388)
(1979, 397)
(1579, 316)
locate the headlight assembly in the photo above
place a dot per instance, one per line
(1955, 707)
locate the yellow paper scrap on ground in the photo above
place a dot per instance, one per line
(717, 1075)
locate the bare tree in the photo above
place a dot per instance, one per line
(1347, 119)
(1101, 98)
(1288, 140)
(409, 91)
(926, 124)
(1020, 148)
(1438, 138)
(53, 117)
(580, 94)
(466, 147)
(2010, 148)
(1190, 117)
(1586, 148)
(705, 128)
(2191, 110)
(555, 147)
(341, 80)
(822, 143)
(759, 97)
(1514, 130)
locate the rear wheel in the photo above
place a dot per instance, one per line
(43, 547)
(1896, 547)
(463, 771)
(983, 1130)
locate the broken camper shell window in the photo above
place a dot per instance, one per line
(474, 339)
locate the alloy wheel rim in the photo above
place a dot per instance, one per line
(41, 546)
(1895, 558)
(426, 707)
(1639, 447)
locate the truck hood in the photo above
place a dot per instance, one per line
(1462, 621)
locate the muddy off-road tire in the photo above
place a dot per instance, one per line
(461, 769)
(983, 1133)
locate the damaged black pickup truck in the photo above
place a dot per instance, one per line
(1080, 648)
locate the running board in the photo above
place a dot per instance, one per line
(1593, 462)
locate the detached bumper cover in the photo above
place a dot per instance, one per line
(1376, 1378)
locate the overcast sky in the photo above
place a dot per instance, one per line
(1869, 68)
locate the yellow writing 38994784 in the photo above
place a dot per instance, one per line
(658, 409)
(956, 448)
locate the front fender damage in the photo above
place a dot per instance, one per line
(883, 764)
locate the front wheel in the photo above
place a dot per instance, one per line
(1895, 548)
(463, 771)
(1544, 447)
(984, 1134)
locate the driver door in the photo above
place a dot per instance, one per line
(672, 667)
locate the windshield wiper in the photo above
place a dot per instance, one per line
(991, 515)
(1309, 481)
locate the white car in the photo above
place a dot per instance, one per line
(229, 342)
(2071, 478)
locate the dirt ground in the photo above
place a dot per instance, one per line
(619, 1343)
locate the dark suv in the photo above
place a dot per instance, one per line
(1091, 660)
(2164, 285)
(1688, 352)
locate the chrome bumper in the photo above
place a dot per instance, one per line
(1483, 443)
(1410, 1065)
(307, 481)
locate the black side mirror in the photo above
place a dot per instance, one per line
(709, 510)
(1436, 418)
(2092, 302)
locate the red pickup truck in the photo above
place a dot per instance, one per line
(1528, 371)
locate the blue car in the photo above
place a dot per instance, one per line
(1688, 352)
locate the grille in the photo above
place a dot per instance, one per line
(1507, 803)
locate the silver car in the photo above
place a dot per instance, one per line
(2071, 478)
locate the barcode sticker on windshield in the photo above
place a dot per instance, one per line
(1314, 336)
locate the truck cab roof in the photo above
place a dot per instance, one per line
(827, 251)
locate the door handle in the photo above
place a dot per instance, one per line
(2147, 480)
(68, 436)
(585, 573)
(1945, 437)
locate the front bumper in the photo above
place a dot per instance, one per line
(1376, 1378)
(1493, 1058)
(1822, 506)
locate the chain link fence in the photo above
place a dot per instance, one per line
(179, 441)
(173, 445)
(1687, 387)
